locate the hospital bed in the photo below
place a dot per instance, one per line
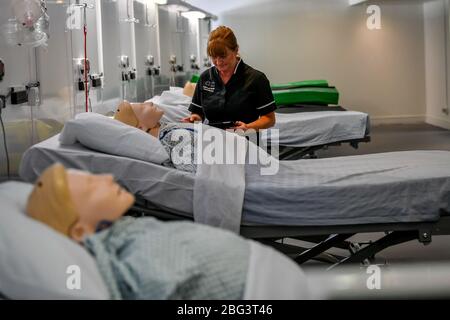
(295, 98)
(36, 262)
(325, 201)
(303, 128)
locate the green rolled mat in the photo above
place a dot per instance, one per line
(299, 84)
(195, 78)
(319, 96)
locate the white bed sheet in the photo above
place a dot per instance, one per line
(304, 129)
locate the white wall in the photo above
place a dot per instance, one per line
(380, 72)
(435, 43)
(169, 45)
(111, 50)
(204, 30)
(146, 44)
(25, 124)
(179, 37)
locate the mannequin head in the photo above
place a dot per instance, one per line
(144, 116)
(189, 89)
(75, 203)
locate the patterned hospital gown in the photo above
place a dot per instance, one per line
(179, 141)
(148, 259)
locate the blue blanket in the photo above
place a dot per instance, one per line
(148, 259)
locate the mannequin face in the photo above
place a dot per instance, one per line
(148, 115)
(96, 198)
(189, 89)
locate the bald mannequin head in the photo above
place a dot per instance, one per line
(75, 203)
(144, 116)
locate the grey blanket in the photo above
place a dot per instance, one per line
(409, 186)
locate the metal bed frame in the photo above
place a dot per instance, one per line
(322, 238)
(293, 153)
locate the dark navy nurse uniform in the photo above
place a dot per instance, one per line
(245, 97)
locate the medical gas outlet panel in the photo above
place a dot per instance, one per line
(128, 73)
(19, 94)
(207, 62)
(194, 66)
(95, 80)
(151, 70)
(174, 67)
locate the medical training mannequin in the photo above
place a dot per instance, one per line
(76, 203)
(147, 117)
(189, 89)
(143, 258)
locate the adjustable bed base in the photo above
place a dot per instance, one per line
(295, 153)
(323, 237)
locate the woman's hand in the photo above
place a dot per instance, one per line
(192, 118)
(264, 122)
(239, 125)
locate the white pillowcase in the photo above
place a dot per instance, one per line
(110, 136)
(175, 97)
(34, 259)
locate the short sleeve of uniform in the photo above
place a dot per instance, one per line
(196, 103)
(265, 101)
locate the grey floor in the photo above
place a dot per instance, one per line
(388, 138)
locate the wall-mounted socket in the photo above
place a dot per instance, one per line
(2, 102)
(153, 71)
(193, 60)
(96, 80)
(206, 62)
(19, 95)
(133, 74)
(2, 69)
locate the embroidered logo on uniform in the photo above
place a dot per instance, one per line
(209, 86)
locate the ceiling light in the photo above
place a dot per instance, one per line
(177, 8)
(193, 15)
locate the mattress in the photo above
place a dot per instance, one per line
(306, 129)
(308, 95)
(299, 84)
(381, 188)
(395, 187)
(302, 108)
(297, 126)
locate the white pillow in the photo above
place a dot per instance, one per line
(175, 98)
(34, 258)
(110, 136)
